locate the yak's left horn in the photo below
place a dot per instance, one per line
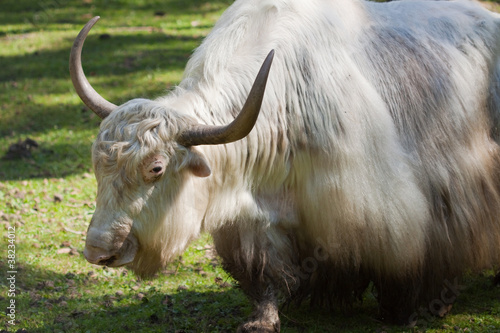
(82, 86)
(241, 125)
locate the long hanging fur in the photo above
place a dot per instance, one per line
(375, 157)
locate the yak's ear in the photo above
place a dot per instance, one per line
(197, 163)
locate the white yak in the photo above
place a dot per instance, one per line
(374, 158)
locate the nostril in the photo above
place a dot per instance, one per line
(98, 256)
(107, 261)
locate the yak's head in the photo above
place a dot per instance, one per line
(149, 205)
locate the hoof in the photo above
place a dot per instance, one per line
(443, 311)
(259, 326)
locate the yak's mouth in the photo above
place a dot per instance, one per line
(98, 253)
(112, 261)
(108, 262)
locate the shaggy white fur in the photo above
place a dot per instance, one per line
(377, 141)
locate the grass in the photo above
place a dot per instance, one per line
(139, 48)
(493, 5)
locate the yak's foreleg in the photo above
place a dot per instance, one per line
(265, 316)
(259, 268)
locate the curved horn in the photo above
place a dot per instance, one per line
(82, 86)
(241, 125)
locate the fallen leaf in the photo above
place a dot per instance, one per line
(64, 250)
(182, 287)
(58, 198)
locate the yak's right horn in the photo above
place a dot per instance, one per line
(82, 86)
(241, 125)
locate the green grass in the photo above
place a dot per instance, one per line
(49, 196)
(493, 5)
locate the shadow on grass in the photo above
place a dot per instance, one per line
(48, 301)
(48, 161)
(62, 135)
(113, 55)
(184, 311)
(41, 13)
(33, 82)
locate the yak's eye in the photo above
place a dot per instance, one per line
(157, 169)
(154, 167)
